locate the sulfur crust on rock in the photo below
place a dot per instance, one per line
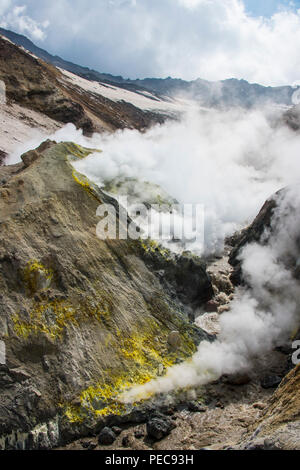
(32, 272)
(140, 356)
(152, 246)
(86, 184)
(53, 317)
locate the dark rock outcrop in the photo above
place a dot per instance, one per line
(3, 156)
(292, 118)
(271, 381)
(258, 231)
(183, 275)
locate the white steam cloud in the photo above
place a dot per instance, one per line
(261, 317)
(230, 162)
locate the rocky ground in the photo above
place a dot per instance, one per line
(219, 416)
(227, 412)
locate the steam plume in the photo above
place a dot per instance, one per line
(230, 162)
(261, 317)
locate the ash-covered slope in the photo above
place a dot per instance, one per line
(228, 93)
(81, 318)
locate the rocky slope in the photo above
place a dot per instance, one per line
(279, 424)
(40, 98)
(81, 318)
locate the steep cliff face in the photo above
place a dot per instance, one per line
(81, 318)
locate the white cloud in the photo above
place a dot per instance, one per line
(184, 38)
(210, 39)
(4, 5)
(16, 18)
(192, 3)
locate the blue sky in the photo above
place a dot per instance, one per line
(210, 39)
(269, 7)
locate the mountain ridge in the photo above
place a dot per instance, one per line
(219, 93)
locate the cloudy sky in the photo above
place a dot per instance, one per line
(212, 39)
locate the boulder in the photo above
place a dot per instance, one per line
(127, 441)
(116, 430)
(159, 427)
(106, 437)
(174, 339)
(195, 407)
(88, 445)
(271, 381)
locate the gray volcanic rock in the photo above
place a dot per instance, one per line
(271, 381)
(260, 231)
(184, 275)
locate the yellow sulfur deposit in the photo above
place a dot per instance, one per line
(37, 276)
